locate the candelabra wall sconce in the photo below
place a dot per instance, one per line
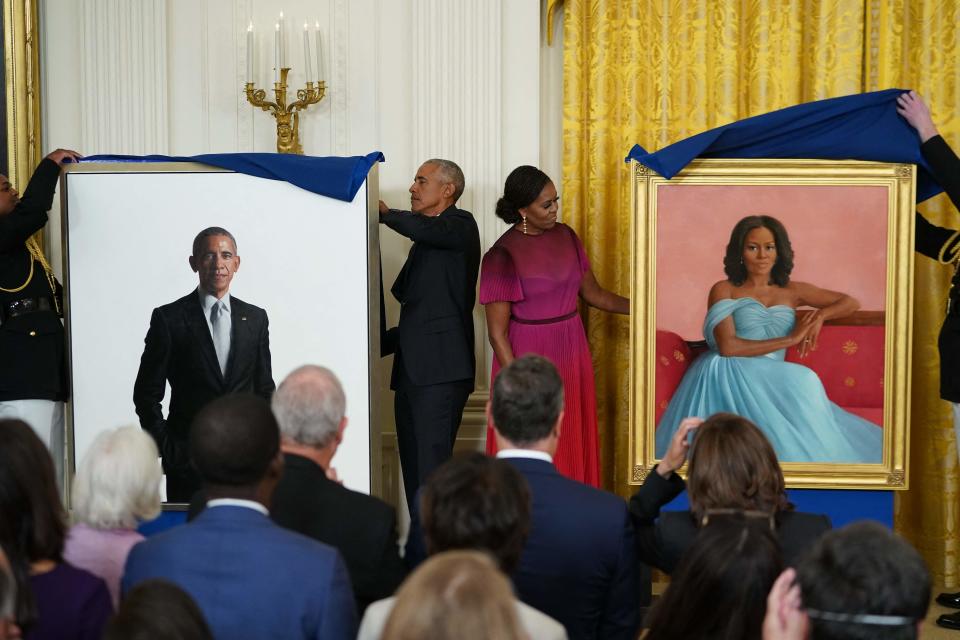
(287, 115)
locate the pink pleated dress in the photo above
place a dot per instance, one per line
(540, 276)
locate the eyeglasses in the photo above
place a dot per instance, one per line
(862, 618)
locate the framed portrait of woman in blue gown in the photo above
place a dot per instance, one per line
(779, 290)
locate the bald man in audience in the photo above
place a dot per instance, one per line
(310, 407)
(249, 576)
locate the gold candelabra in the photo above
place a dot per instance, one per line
(288, 116)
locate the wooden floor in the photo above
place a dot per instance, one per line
(930, 630)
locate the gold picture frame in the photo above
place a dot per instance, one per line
(891, 189)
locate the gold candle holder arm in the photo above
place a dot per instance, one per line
(257, 97)
(288, 117)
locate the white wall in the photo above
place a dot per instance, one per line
(413, 78)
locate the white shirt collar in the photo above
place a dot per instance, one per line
(525, 453)
(237, 502)
(207, 300)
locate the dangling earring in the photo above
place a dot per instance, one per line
(524, 225)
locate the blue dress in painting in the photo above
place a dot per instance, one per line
(785, 400)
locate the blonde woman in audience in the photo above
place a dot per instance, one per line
(117, 485)
(455, 595)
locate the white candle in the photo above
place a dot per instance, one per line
(306, 52)
(318, 46)
(276, 53)
(283, 42)
(250, 52)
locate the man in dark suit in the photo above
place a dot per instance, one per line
(206, 344)
(249, 576)
(310, 405)
(434, 361)
(941, 244)
(578, 564)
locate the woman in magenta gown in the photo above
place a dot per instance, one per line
(529, 283)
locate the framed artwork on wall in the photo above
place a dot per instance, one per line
(837, 414)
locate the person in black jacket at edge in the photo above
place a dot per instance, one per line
(33, 374)
(942, 245)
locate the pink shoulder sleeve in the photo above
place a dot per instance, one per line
(498, 278)
(581, 252)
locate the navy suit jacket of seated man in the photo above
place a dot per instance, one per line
(579, 561)
(249, 576)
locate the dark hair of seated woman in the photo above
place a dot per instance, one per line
(719, 589)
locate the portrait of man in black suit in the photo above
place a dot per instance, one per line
(434, 362)
(207, 344)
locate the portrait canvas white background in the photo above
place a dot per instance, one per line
(304, 259)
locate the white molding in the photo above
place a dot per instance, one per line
(337, 63)
(123, 76)
(243, 12)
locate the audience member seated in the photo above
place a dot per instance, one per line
(250, 577)
(117, 485)
(479, 503)
(158, 610)
(579, 564)
(732, 466)
(719, 590)
(8, 601)
(310, 406)
(860, 582)
(456, 595)
(55, 600)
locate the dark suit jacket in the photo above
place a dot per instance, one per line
(178, 348)
(250, 577)
(932, 241)
(436, 289)
(361, 527)
(662, 538)
(32, 355)
(578, 565)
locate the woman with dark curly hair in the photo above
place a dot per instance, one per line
(751, 321)
(530, 281)
(732, 469)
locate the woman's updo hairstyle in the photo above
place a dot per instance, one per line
(522, 187)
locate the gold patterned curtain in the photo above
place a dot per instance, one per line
(21, 67)
(654, 72)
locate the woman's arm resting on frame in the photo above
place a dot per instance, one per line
(596, 296)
